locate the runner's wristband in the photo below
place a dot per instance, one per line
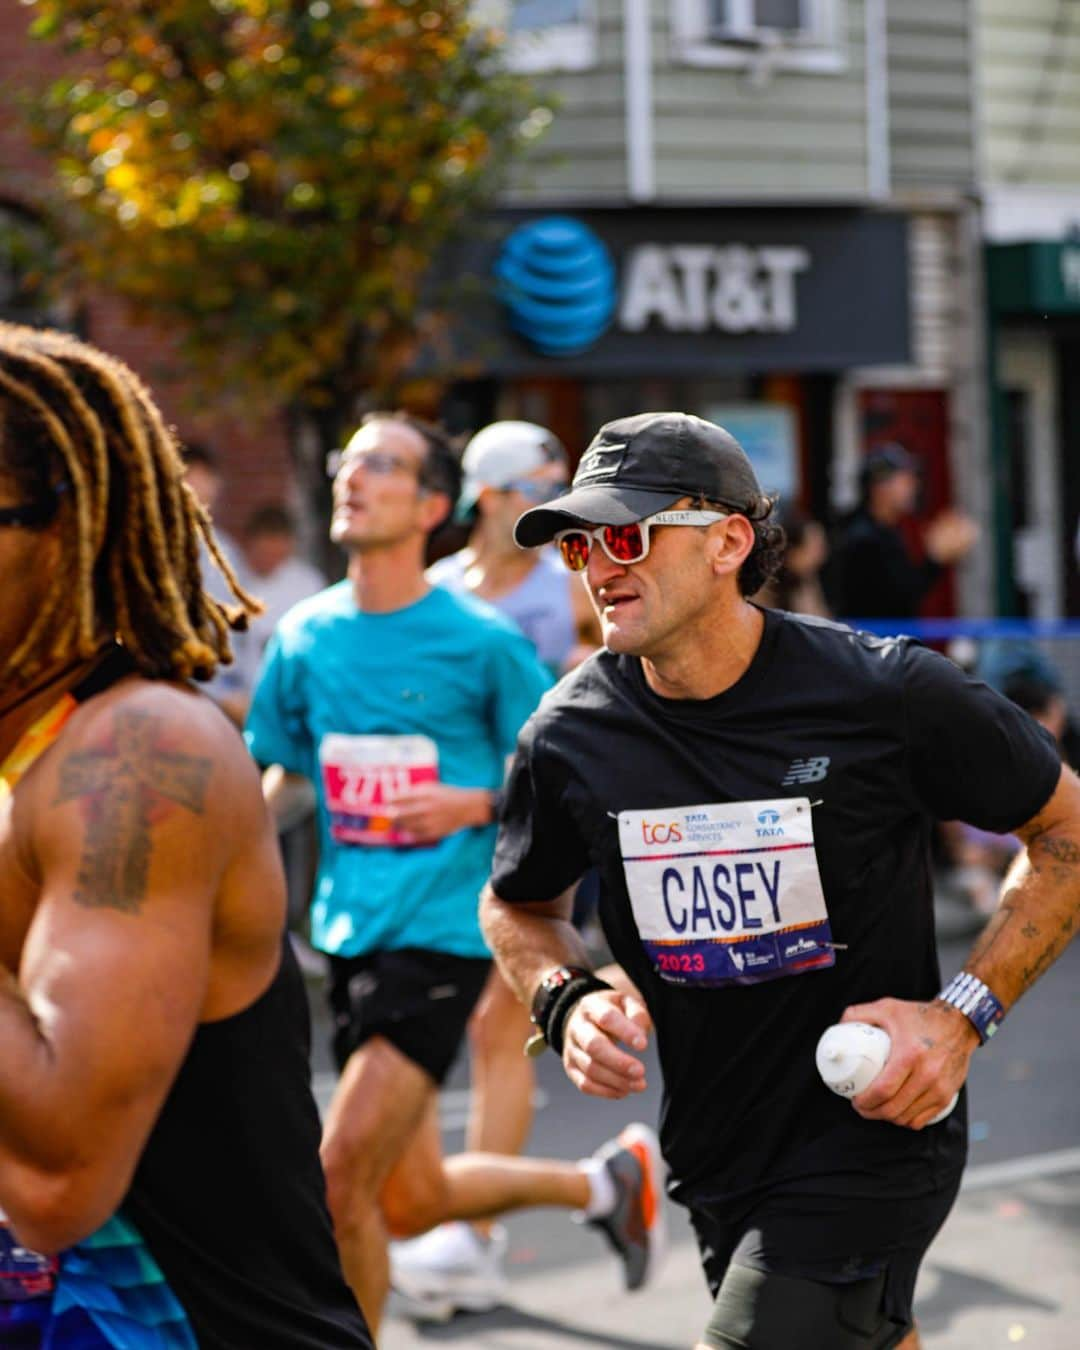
(553, 1001)
(967, 994)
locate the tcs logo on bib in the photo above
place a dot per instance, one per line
(663, 832)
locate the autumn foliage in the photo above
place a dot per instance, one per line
(272, 178)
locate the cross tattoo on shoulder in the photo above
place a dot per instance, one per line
(122, 782)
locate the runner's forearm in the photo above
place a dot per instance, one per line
(1037, 917)
(43, 1184)
(528, 941)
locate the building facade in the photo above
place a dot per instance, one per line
(1028, 99)
(783, 200)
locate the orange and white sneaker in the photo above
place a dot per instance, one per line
(635, 1227)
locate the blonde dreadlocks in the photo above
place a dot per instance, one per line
(79, 424)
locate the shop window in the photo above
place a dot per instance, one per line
(544, 34)
(759, 34)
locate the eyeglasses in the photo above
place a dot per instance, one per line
(371, 461)
(535, 490)
(625, 544)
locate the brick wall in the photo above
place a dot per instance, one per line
(253, 451)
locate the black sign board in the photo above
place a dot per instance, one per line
(690, 292)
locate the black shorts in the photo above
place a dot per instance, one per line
(418, 1000)
(845, 1258)
(755, 1311)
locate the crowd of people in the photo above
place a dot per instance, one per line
(608, 692)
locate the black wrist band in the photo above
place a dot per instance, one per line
(562, 1006)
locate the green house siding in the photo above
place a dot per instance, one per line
(583, 152)
(931, 119)
(796, 134)
(720, 135)
(1029, 88)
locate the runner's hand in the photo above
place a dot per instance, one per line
(931, 1046)
(431, 811)
(597, 1026)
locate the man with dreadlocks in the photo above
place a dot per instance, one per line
(153, 1028)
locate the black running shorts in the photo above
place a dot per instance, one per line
(756, 1311)
(418, 1000)
(802, 1272)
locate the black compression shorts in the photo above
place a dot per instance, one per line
(756, 1311)
(418, 1000)
(830, 1255)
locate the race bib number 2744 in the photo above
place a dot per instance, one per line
(727, 893)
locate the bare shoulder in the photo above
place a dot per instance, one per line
(167, 736)
(143, 776)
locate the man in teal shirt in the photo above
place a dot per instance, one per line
(401, 703)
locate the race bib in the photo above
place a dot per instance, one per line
(24, 1274)
(361, 775)
(727, 894)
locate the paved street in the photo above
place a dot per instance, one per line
(1004, 1271)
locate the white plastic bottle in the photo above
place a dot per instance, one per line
(850, 1055)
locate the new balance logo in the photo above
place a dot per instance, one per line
(806, 771)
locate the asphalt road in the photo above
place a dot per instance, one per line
(1004, 1271)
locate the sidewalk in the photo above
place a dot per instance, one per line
(1005, 1271)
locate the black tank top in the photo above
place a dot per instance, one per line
(229, 1195)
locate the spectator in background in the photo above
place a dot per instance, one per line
(203, 475)
(272, 569)
(797, 586)
(872, 575)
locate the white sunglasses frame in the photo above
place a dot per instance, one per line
(697, 518)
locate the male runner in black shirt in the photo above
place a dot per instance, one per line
(757, 789)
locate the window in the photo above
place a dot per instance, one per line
(544, 34)
(787, 34)
(752, 19)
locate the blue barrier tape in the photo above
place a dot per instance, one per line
(940, 630)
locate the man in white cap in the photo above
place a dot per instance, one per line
(508, 467)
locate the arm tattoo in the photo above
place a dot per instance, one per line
(126, 783)
(1062, 857)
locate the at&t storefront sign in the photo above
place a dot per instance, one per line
(709, 289)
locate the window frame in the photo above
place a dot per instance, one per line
(818, 48)
(561, 47)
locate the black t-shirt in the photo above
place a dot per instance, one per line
(871, 574)
(876, 738)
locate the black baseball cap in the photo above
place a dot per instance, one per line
(638, 465)
(884, 461)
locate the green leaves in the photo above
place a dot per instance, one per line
(272, 177)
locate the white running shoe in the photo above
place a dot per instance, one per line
(451, 1269)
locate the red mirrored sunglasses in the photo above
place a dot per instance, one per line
(624, 544)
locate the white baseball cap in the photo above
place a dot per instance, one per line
(504, 453)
